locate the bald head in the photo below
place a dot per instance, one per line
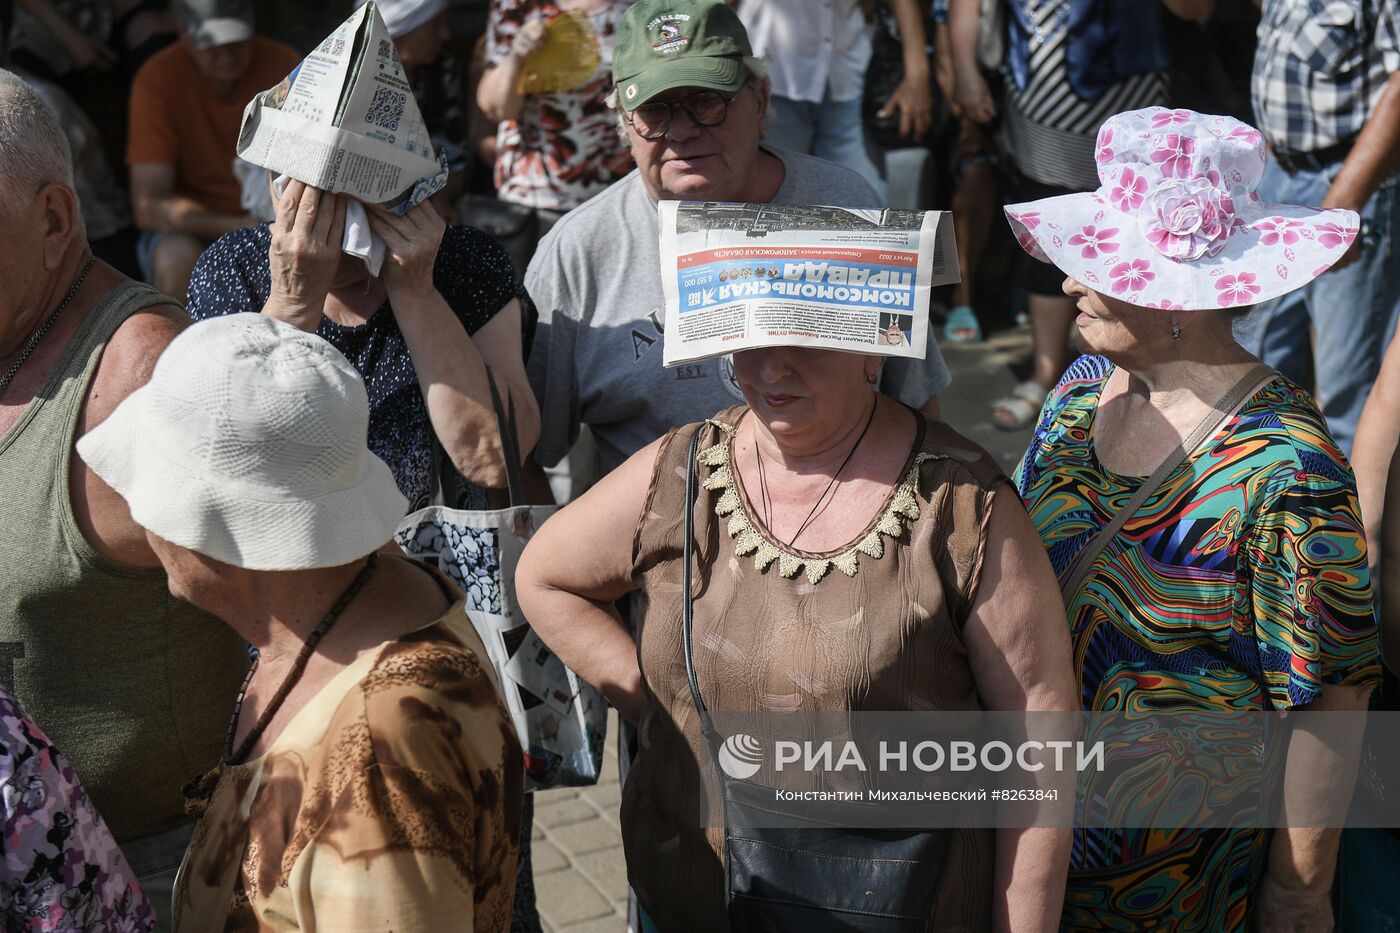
(33, 150)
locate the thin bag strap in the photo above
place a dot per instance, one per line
(1252, 381)
(510, 444)
(688, 600)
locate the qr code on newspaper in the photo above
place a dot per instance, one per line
(386, 109)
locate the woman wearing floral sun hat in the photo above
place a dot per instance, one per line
(1234, 577)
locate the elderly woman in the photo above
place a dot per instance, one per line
(445, 310)
(1240, 582)
(371, 777)
(852, 555)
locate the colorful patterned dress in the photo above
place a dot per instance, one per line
(564, 147)
(62, 869)
(1241, 584)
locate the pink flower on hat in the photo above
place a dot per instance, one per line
(1170, 118)
(1332, 235)
(1030, 220)
(1174, 155)
(1104, 154)
(1131, 276)
(1278, 230)
(1246, 134)
(1095, 241)
(1129, 191)
(1165, 304)
(1187, 219)
(1236, 289)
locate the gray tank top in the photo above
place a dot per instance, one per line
(132, 685)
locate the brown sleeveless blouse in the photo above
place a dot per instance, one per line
(875, 626)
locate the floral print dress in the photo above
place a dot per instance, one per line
(1240, 584)
(565, 146)
(62, 868)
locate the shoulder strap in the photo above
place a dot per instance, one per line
(1252, 381)
(688, 596)
(510, 443)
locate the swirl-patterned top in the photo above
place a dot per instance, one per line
(1240, 584)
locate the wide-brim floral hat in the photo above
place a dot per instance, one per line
(1177, 222)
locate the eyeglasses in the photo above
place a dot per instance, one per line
(652, 120)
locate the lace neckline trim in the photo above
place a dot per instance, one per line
(750, 538)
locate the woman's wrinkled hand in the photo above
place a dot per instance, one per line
(305, 252)
(411, 243)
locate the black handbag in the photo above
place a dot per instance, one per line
(808, 878)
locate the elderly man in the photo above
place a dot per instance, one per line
(132, 685)
(693, 101)
(186, 106)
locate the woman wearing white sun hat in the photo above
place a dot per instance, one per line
(1235, 576)
(371, 776)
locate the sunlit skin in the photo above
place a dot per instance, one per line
(1130, 335)
(808, 399)
(716, 163)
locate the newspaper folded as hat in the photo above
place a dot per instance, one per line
(345, 121)
(738, 276)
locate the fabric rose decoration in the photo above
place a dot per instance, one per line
(1187, 219)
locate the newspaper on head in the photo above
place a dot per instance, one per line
(738, 276)
(345, 121)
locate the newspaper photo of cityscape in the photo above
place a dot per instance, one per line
(757, 220)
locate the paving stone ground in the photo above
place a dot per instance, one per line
(580, 875)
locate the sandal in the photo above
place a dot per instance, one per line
(1020, 299)
(1018, 411)
(962, 326)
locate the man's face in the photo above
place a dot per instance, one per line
(22, 266)
(692, 162)
(221, 66)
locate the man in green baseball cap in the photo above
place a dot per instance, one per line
(693, 99)
(666, 44)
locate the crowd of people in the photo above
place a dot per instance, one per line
(227, 699)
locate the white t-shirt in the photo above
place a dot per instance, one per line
(596, 358)
(811, 46)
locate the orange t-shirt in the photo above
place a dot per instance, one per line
(176, 120)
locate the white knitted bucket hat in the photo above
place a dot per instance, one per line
(1177, 222)
(248, 445)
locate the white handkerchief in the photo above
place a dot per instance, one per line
(358, 240)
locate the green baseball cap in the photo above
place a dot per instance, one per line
(665, 44)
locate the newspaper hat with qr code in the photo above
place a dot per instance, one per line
(345, 121)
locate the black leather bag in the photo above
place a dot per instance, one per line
(808, 878)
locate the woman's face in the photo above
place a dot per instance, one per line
(189, 575)
(801, 393)
(1110, 327)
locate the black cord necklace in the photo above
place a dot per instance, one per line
(763, 479)
(233, 756)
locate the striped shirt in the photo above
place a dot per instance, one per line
(1321, 68)
(1049, 130)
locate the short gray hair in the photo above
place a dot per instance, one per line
(757, 68)
(33, 149)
